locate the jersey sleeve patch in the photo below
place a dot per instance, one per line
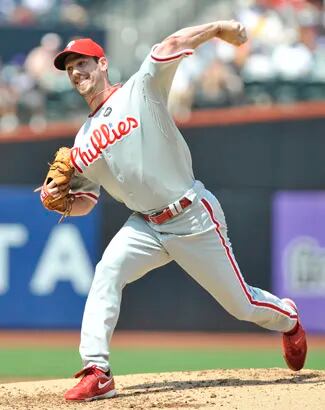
(171, 57)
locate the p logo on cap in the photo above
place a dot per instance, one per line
(69, 45)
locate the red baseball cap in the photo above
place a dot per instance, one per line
(84, 46)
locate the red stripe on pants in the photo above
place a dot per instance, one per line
(209, 208)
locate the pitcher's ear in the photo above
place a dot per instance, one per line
(103, 62)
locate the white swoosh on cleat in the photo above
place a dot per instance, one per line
(299, 340)
(102, 385)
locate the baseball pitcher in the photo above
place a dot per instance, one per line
(130, 146)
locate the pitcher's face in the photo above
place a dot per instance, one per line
(86, 74)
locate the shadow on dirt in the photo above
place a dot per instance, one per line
(227, 382)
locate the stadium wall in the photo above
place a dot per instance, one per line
(244, 161)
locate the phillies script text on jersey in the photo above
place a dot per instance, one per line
(101, 138)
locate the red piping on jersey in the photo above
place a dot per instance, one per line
(90, 194)
(112, 91)
(208, 207)
(175, 56)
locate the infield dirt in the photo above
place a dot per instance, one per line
(227, 389)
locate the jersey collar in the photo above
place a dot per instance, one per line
(112, 91)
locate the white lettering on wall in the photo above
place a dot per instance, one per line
(11, 236)
(64, 258)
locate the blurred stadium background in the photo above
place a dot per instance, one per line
(254, 119)
(290, 31)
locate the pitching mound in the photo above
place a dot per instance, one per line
(230, 389)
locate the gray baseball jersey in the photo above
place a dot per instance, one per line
(131, 146)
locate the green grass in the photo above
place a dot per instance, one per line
(59, 363)
(154, 360)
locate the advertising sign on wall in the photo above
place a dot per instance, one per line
(46, 268)
(299, 253)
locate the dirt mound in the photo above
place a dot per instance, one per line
(230, 389)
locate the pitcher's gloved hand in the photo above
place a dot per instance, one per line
(55, 194)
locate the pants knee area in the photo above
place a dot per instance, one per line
(244, 313)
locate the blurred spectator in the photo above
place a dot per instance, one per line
(8, 107)
(219, 86)
(7, 8)
(39, 62)
(23, 16)
(30, 12)
(74, 14)
(39, 67)
(39, 6)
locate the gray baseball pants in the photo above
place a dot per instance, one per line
(197, 240)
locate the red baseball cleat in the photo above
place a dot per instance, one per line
(95, 384)
(294, 343)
